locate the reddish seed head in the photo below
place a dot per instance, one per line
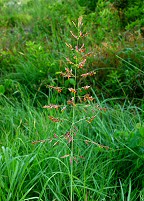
(87, 97)
(82, 63)
(54, 119)
(88, 74)
(72, 90)
(68, 60)
(58, 89)
(86, 87)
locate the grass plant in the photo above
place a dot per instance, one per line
(75, 64)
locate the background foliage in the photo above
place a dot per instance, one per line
(33, 49)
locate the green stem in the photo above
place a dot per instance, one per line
(73, 121)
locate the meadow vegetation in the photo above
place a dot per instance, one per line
(71, 100)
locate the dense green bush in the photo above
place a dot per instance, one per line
(127, 78)
(130, 12)
(90, 5)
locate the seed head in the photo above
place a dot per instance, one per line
(68, 73)
(71, 102)
(76, 37)
(72, 90)
(88, 74)
(51, 106)
(68, 60)
(81, 64)
(54, 119)
(69, 46)
(86, 87)
(87, 97)
(80, 21)
(58, 89)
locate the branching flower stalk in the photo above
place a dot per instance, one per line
(78, 64)
(75, 63)
(73, 121)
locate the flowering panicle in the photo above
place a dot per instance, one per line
(51, 106)
(95, 143)
(87, 97)
(81, 49)
(54, 119)
(68, 137)
(58, 89)
(91, 119)
(68, 73)
(78, 94)
(69, 46)
(83, 35)
(71, 102)
(92, 73)
(80, 22)
(81, 64)
(72, 90)
(76, 37)
(86, 87)
(69, 61)
(76, 62)
(87, 55)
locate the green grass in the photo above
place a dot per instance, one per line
(108, 153)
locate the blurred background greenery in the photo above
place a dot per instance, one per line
(33, 35)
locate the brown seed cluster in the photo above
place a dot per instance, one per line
(54, 119)
(88, 74)
(81, 49)
(69, 61)
(71, 102)
(81, 64)
(58, 89)
(51, 106)
(86, 87)
(87, 97)
(72, 90)
(68, 73)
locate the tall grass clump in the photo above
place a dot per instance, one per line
(77, 95)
